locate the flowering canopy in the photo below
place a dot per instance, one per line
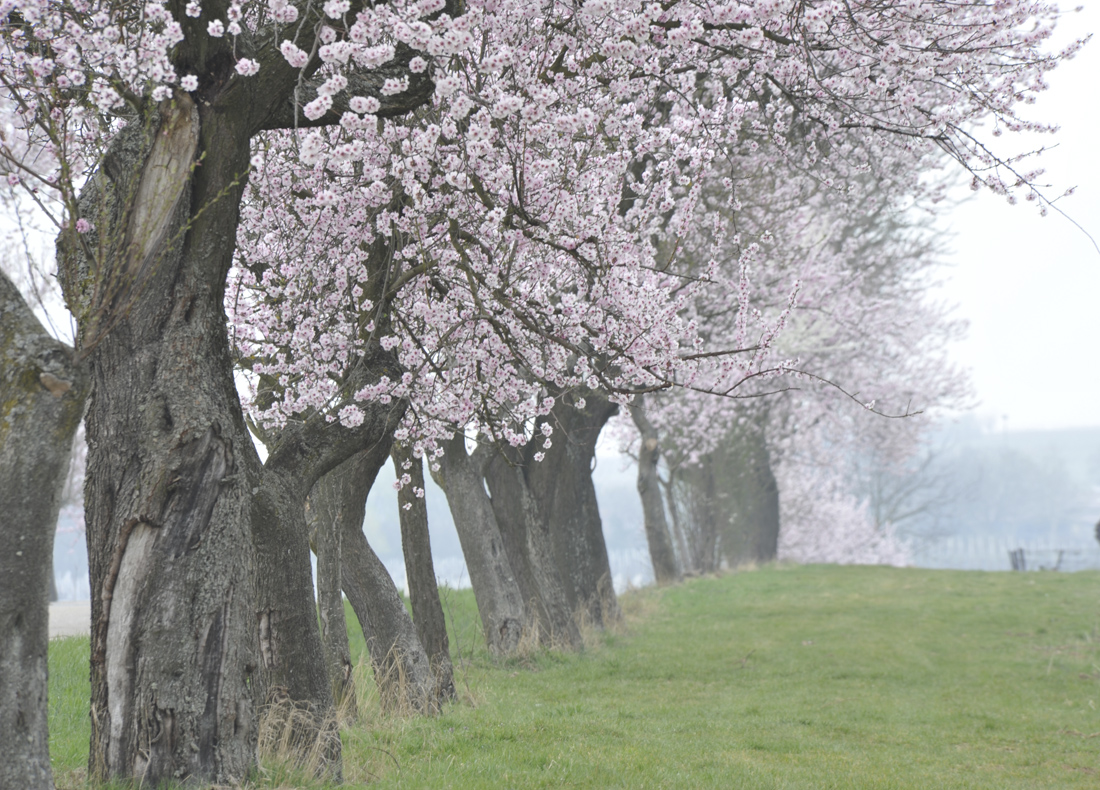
(566, 187)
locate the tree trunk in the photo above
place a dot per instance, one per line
(431, 626)
(753, 531)
(53, 583)
(710, 535)
(499, 600)
(292, 657)
(401, 666)
(679, 531)
(661, 553)
(300, 455)
(170, 464)
(562, 485)
(530, 549)
(323, 515)
(765, 546)
(41, 401)
(698, 491)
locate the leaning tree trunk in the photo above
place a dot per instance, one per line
(170, 464)
(401, 667)
(41, 400)
(431, 626)
(499, 600)
(661, 554)
(530, 548)
(566, 496)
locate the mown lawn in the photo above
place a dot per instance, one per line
(783, 677)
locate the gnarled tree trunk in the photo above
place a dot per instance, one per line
(41, 401)
(431, 626)
(170, 464)
(499, 600)
(171, 467)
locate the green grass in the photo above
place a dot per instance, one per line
(784, 677)
(70, 690)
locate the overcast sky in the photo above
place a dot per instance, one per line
(1030, 286)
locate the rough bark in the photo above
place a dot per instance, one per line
(665, 568)
(530, 549)
(42, 395)
(401, 666)
(323, 515)
(562, 485)
(431, 626)
(170, 464)
(498, 596)
(293, 662)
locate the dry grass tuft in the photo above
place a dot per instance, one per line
(399, 694)
(531, 639)
(296, 744)
(591, 633)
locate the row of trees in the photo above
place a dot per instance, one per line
(407, 224)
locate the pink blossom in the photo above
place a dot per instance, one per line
(247, 67)
(293, 55)
(335, 9)
(364, 104)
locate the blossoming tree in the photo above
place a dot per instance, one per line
(862, 322)
(477, 198)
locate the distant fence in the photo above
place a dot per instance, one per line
(983, 553)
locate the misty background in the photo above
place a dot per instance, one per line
(976, 493)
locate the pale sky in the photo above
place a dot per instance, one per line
(1030, 286)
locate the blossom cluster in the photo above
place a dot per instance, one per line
(823, 523)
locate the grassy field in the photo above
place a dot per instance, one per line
(784, 677)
